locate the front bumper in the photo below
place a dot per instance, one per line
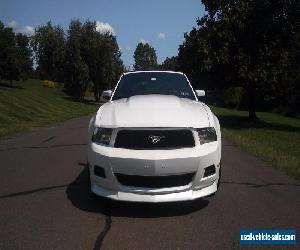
(154, 163)
(168, 197)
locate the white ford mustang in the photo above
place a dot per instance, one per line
(154, 141)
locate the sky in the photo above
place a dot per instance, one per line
(160, 23)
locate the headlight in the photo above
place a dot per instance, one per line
(102, 135)
(207, 135)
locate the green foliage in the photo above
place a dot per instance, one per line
(234, 96)
(76, 70)
(145, 57)
(49, 46)
(251, 44)
(91, 56)
(24, 54)
(84, 57)
(15, 55)
(170, 64)
(102, 55)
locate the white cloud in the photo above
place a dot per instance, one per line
(105, 28)
(143, 41)
(161, 35)
(27, 30)
(13, 24)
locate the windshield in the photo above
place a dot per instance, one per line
(147, 83)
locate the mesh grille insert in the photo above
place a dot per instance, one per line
(155, 139)
(155, 181)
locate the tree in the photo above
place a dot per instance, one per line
(49, 46)
(113, 65)
(15, 55)
(101, 53)
(170, 63)
(144, 57)
(253, 44)
(76, 70)
(25, 55)
(91, 57)
(86, 57)
(8, 62)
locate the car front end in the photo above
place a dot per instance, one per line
(154, 148)
(156, 175)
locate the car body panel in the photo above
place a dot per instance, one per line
(153, 111)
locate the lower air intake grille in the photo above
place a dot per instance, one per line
(155, 181)
(154, 139)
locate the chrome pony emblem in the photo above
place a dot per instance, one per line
(156, 138)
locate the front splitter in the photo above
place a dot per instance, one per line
(154, 198)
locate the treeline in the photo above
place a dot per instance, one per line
(15, 55)
(145, 59)
(82, 58)
(247, 53)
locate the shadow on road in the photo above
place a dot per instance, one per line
(79, 194)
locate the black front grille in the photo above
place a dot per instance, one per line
(155, 181)
(154, 139)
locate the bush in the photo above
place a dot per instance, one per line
(49, 84)
(234, 97)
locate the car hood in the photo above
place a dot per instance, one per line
(154, 111)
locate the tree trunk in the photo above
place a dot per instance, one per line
(82, 95)
(251, 102)
(96, 94)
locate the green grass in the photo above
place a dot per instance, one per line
(28, 105)
(274, 138)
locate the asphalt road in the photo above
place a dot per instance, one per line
(45, 201)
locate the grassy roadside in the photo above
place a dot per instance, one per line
(28, 105)
(275, 138)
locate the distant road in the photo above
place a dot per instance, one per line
(45, 201)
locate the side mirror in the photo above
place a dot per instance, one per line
(106, 95)
(200, 93)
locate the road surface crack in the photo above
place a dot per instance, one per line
(39, 190)
(49, 139)
(104, 232)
